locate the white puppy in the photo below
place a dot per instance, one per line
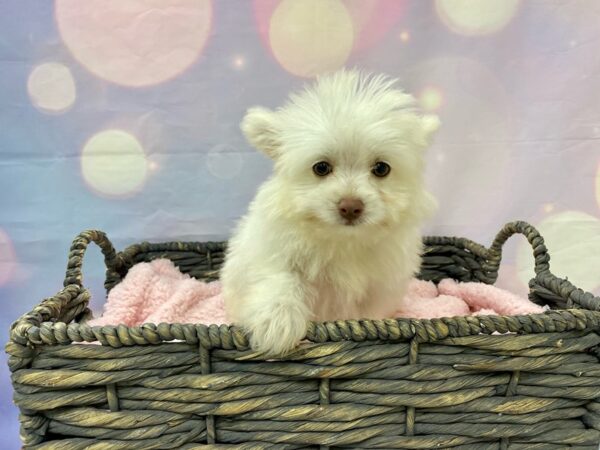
(334, 233)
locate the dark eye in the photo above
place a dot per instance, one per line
(322, 168)
(381, 169)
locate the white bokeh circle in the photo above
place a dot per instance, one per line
(51, 87)
(476, 18)
(573, 241)
(113, 164)
(310, 37)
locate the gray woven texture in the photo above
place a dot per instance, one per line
(395, 383)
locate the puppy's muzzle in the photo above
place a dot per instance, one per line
(350, 209)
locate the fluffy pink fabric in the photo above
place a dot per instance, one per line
(158, 292)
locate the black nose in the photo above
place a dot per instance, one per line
(350, 208)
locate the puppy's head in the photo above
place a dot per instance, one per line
(348, 152)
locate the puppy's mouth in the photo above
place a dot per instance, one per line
(352, 223)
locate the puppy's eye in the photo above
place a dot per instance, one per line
(381, 169)
(322, 168)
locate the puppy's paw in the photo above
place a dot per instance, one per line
(277, 330)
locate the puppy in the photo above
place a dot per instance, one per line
(334, 233)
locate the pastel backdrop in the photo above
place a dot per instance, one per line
(123, 116)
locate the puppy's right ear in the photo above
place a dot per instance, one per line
(259, 128)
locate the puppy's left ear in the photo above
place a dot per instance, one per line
(419, 128)
(259, 127)
(430, 124)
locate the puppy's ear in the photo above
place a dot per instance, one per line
(419, 128)
(430, 124)
(259, 128)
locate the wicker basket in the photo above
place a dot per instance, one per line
(410, 384)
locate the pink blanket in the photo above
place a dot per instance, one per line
(158, 292)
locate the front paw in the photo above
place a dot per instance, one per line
(278, 330)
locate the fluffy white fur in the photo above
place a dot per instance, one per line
(293, 258)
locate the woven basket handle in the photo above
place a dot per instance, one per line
(112, 260)
(540, 252)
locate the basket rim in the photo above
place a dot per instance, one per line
(202, 248)
(54, 332)
(49, 323)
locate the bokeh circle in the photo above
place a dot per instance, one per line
(573, 241)
(310, 37)
(113, 164)
(51, 87)
(476, 18)
(134, 42)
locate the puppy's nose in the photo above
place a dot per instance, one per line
(350, 208)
